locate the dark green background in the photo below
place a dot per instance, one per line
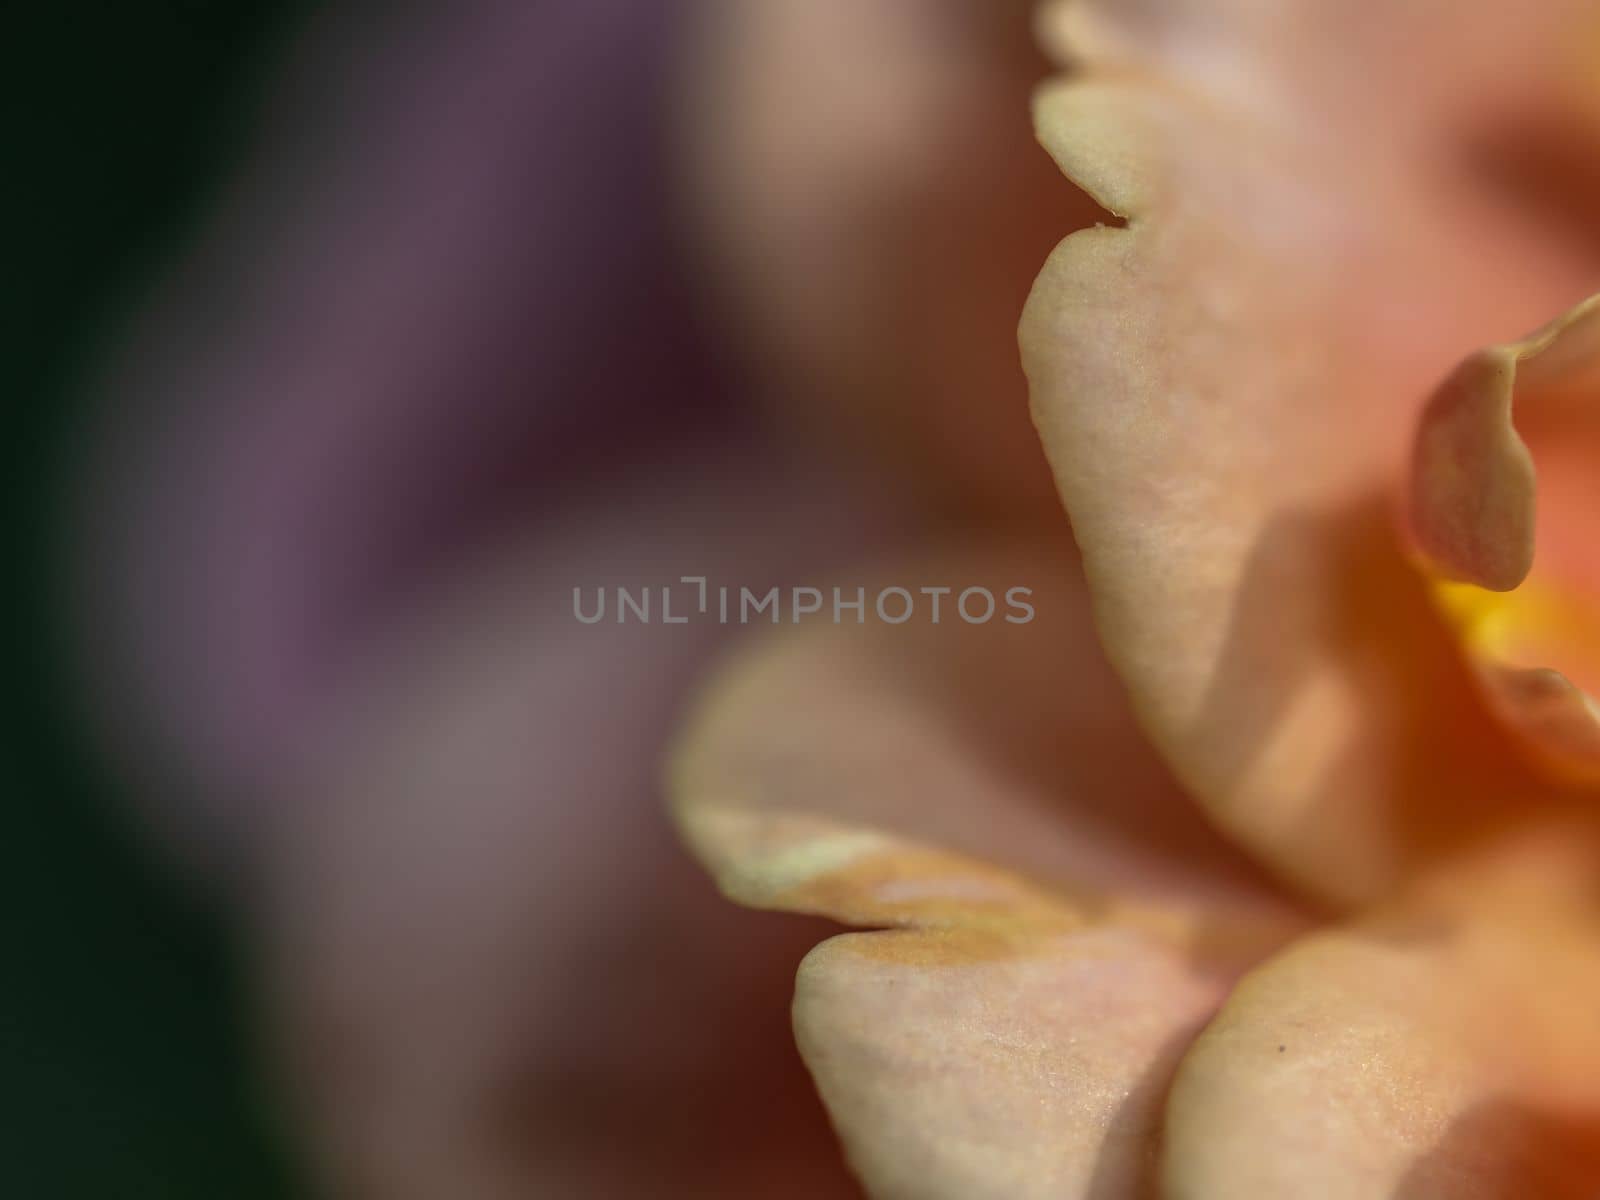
(124, 1051)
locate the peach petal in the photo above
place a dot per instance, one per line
(1416, 1055)
(974, 792)
(963, 1066)
(1224, 390)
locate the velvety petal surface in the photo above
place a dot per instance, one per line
(1053, 921)
(1444, 1049)
(1226, 387)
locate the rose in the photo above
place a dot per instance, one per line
(1231, 387)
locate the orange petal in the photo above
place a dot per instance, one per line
(1225, 391)
(1481, 517)
(980, 790)
(1448, 1052)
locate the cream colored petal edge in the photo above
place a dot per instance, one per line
(819, 750)
(999, 1039)
(998, 1035)
(1225, 418)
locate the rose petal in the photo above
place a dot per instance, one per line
(1223, 389)
(979, 789)
(490, 963)
(1417, 1056)
(969, 1065)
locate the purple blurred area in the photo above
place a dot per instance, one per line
(446, 293)
(436, 360)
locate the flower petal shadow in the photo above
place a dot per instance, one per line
(1330, 606)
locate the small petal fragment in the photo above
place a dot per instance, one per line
(1473, 480)
(1487, 520)
(1472, 499)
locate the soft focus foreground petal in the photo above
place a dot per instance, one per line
(1225, 389)
(494, 972)
(1507, 525)
(823, 753)
(1423, 63)
(981, 790)
(1448, 1049)
(871, 208)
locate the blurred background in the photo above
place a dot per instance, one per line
(345, 341)
(124, 1055)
